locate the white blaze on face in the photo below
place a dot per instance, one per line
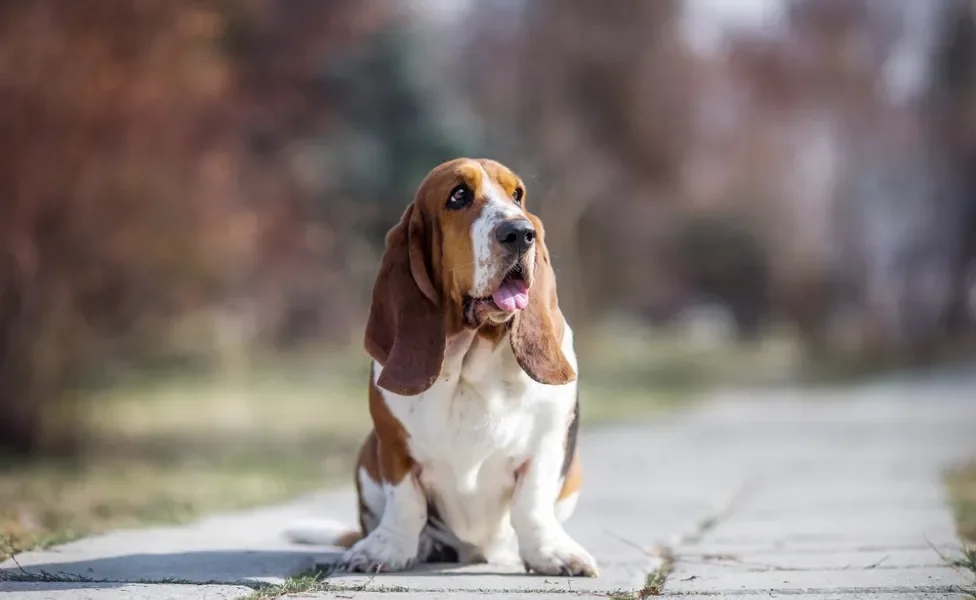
(496, 209)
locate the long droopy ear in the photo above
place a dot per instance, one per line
(537, 331)
(405, 331)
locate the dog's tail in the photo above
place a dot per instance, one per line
(322, 532)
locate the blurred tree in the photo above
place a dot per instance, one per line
(101, 215)
(149, 176)
(389, 132)
(718, 253)
(280, 110)
(951, 119)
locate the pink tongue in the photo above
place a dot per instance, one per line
(511, 296)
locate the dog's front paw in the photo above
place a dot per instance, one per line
(559, 555)
(380, 551)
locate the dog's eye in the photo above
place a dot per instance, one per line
(460, 197)
(517, 196)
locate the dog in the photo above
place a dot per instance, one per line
(473, 389)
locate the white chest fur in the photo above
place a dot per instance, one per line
(474, 427)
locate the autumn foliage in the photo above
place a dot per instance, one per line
(140, 180)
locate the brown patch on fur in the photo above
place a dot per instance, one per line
(537, 331)
(457, 261)
(520, 472)
(369, 456)
(504, 178)
(368, 460)
(574, 478)
(493, 333)
(393, 458)
(384, 456)
(405, 331)
(348, 539)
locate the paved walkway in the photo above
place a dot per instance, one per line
(826, 494)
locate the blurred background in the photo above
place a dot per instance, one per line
(194, 194)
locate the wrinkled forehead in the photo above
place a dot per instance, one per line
(501, 177)
(489, 180)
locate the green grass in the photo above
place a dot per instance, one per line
(306, 583)
(168, 449)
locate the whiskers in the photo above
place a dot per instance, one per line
(465, 266)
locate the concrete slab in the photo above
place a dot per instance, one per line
(692, 579)
(241, 547)
(196, 566)
(119, 591)
(933, 525)
(819, 561)
(801, 548)
(490, 578)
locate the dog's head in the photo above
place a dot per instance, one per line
(466, 254)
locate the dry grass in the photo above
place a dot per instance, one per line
(961, 483)
(627, 368)
(167, 450)
(962, 493)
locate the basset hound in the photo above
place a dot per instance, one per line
(473, 394)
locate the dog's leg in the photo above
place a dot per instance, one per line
(372, 501)
(544, 545)
(394, 543)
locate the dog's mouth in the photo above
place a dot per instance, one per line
(511, 296)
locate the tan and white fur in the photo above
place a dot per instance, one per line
(475, 410)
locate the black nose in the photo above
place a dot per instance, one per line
(516, 235)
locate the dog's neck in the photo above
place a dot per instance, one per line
(472, 357)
